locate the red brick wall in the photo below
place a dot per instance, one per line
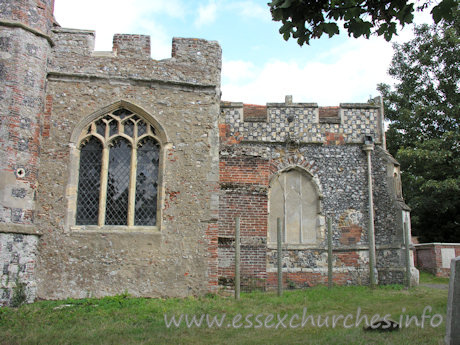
(252, 210)
(244, 183)
(350, 259)
(246, 170)
(252, 265)
(350, 234)
(428, 257)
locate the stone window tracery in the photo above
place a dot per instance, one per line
(118, 171)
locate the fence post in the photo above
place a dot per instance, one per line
(329, 252)
(280, 268)
(237, 258)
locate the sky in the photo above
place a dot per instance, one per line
(258, 65)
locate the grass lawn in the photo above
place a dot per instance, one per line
(125, 320)
(428, 278)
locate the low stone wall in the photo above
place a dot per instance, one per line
(435, 257)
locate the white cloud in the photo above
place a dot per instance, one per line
(160, 40)
(352, 73)
(206, 14)
(346, 72)
(250, 9)
(352, 77)
(106, 19)
(237, 71)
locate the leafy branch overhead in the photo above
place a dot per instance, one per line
(304, 20)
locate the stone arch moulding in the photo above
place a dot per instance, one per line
(72, 185)
(319, 216)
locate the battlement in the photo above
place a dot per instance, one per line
(303, 122)
(131, 46)
(194, 62)
(194, 50)
(81, 42)
(73, 41)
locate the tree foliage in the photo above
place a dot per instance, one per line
(424, 129)
(309, 19)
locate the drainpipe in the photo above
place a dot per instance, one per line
(368, 147)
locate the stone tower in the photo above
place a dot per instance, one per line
(25, 45)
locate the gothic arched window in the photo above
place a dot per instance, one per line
(118, 171)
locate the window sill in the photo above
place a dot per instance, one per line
(115, 229)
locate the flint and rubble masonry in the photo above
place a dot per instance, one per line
(218, 160)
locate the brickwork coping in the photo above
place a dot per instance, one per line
(329, 112)
(254, 113)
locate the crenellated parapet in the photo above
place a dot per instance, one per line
(302, 122)
(131, 46)
(194, 62)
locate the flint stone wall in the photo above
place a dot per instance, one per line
(257, 145)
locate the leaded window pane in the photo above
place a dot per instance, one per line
(89, 182)
(129, 128)
(118, 183)
(100, 127)
(122, 113)
(141, 128)
(113, 125)
(125, 202)
(146, 182)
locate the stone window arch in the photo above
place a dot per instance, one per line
(296, 199)
(117, 170)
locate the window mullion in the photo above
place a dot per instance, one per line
(103, 191)
(132, 185)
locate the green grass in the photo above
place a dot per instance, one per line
(125, 320)
(428, 278)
